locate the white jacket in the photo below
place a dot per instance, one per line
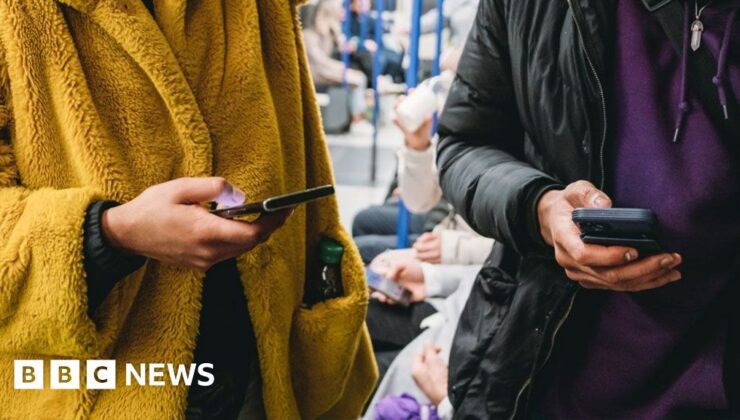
(418, 181)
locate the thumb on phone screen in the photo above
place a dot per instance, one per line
(230, 196)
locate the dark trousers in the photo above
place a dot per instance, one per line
(393, 327)
(226, 339)
(374, 229)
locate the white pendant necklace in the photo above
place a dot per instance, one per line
(697, 27)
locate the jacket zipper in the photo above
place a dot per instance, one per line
(547, 357)
(560, 324)
(602, 96)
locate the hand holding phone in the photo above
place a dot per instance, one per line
(275, 204)
(387, 287)
(158, 224)
(613, 267)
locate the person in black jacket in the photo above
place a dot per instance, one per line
(584, 103)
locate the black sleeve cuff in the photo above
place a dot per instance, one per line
(533, 222)
(104, 265)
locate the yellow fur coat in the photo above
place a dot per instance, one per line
(100, 100)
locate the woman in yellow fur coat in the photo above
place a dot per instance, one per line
(152, 104)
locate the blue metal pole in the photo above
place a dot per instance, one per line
(412, 74)
(346, 30)
(438, 45)
(438, 51)
(379, 8)
(412, 79)
(364, 25)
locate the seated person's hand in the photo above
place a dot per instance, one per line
(430, 374)
(596, 266)
(408, 274)
(429, 248)
(382, 263)
(356, 78)
(168, 223)
(370, 45)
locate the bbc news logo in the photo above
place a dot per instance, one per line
(101, 374)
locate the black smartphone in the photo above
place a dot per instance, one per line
(278, 203)
(635, 228)
(388, 287)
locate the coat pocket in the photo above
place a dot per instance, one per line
(329, 344)
(484, 312)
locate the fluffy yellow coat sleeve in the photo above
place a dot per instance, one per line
(41, 307)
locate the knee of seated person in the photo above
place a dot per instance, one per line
(364, 222)
(370, 246)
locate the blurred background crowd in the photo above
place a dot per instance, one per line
(382, 72)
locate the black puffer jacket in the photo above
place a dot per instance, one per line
(526, 114)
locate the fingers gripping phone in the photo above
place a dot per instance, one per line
(388, 287)
(634, 228)
(277, 203)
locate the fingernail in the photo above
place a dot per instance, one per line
(231, 196)
(678, 277)
(675, 262)
(666, 262)
(630, 255)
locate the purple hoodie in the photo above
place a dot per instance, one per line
(656, 354)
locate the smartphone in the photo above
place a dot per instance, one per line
(388, 287)
(278, 203)
(635, 228)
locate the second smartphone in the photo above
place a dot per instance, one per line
(634, 228)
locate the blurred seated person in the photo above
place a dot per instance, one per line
(322, 36)
(391, 59)
(451, 241)
(438, 260)
(429, 372)
(458, 16)
(414, 381)
(437, 290)
(374, 229)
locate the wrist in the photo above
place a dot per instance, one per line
(437, 396)
(544, 206)
(418, 146)
(114, 226)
